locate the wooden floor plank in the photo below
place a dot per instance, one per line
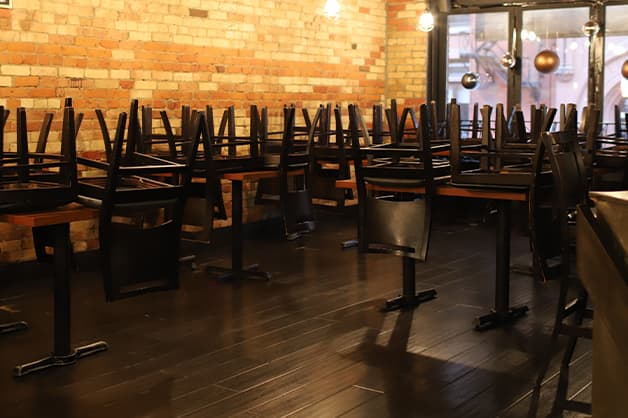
(310, 342)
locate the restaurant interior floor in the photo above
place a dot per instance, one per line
(311, 342)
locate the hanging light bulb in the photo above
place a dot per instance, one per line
(331, 9)
(426, 21)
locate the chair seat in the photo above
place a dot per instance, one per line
(395, 182)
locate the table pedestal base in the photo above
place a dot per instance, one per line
(495, 319)
(409, 301)
(251, 272)
(409, 297)
(57, 360)
(13, 327)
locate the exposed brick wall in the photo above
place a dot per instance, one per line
(167, 53)
(406, 53)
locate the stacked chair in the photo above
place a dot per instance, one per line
(290, 152)
(224, 152)
(501, 159)
(37, 180)
(396, 220)
(33, 181)
(565, 190)
(330, 156)
(606, 157)
(141, 200)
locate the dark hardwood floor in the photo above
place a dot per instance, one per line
(309, 343)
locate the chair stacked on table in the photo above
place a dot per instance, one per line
(565, 191)
(398, 219)
(141, 200)
(40, 180)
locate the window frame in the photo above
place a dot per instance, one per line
(437, 48)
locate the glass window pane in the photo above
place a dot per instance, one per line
(560, 31)
(475, 44)
(615, 53)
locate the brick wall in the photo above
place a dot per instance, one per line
(406, 53)
(167, 53)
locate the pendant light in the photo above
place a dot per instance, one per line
(331, 9)
(426, 21)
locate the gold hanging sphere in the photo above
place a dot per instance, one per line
(546, 61)
(624, 69)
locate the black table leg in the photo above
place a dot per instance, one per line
(237, 245)
(502, 313)
(63, 354)
(409, 298)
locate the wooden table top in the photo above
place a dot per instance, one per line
(450, 190)
(69, 213)
(257, 175)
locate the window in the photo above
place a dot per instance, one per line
(477, 35)
(615, 53)
(475, 44)
(559, 31)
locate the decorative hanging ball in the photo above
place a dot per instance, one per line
(546, 61)
(470, 80)
(590, 28)
(508, 60)
(624, 69)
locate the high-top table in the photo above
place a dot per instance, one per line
(602, 261)
(53, 229)
(502, 313)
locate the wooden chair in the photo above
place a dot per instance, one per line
(397, 222)
(140, 217)
(569, 190)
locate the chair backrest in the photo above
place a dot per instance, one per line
(399, 220)
(140, 216)
(606, 157)
(38, 180)
(554, 196)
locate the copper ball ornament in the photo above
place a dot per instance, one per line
(470, 80)
(546, 61)
(624, 69)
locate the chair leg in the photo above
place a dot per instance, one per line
(560, 401)
(536, 392)
(409, 298)
(558, 319)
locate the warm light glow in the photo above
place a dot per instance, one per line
(332, 9)
(426, 21)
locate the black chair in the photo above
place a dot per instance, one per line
(293, 188)
(140, 216)
(568, 191)
(36, 180)
(399, 220)
(18, 325)
(492, 162)
(31, 181)
(330, 158)
(606, 157)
